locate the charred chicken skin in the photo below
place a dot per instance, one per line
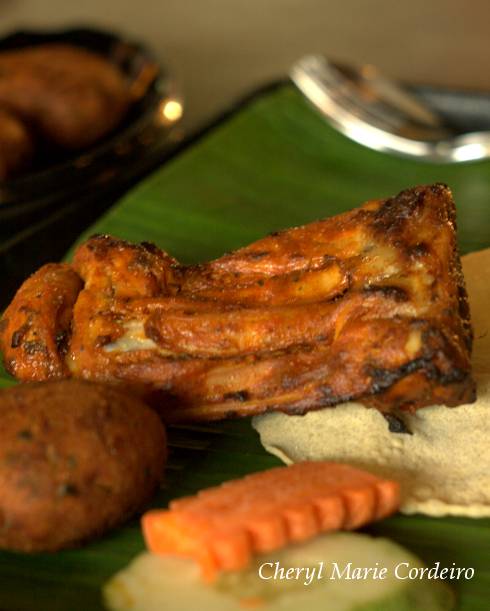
(369, 305)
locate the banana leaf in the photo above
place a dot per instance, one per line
(272, 164)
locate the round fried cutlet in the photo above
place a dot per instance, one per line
(76, 458)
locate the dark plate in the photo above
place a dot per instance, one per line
(57, 178)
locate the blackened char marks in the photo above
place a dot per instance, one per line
(152, 332)
(396, 424)
(19, 334)
(101, 245)
(419, 250)
(35, 347)
(151, 248)
(104, 246)
(62, 339)
(391, 217)
(102, 340)
(464, 312)
(397, 293)
(239, 395)
(256, 255)
(381, 379)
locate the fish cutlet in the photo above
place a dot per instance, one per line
(76, 459)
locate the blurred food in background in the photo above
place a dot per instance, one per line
(83, 114)
(59, 95)
(16, 145)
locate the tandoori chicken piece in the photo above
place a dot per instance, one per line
(369, 305)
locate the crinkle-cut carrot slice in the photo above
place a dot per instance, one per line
(267, 533)
(361, 506)
(222, 527)
(331, 513)
(302, 522)
(231, 551)
(388, 495)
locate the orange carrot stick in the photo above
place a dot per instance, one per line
(223, 527)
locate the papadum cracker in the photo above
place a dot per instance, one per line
(443, 466)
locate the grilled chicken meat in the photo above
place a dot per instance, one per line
(369, 305)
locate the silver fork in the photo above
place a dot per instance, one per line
(380, 114)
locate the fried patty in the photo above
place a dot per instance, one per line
(76, 459)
